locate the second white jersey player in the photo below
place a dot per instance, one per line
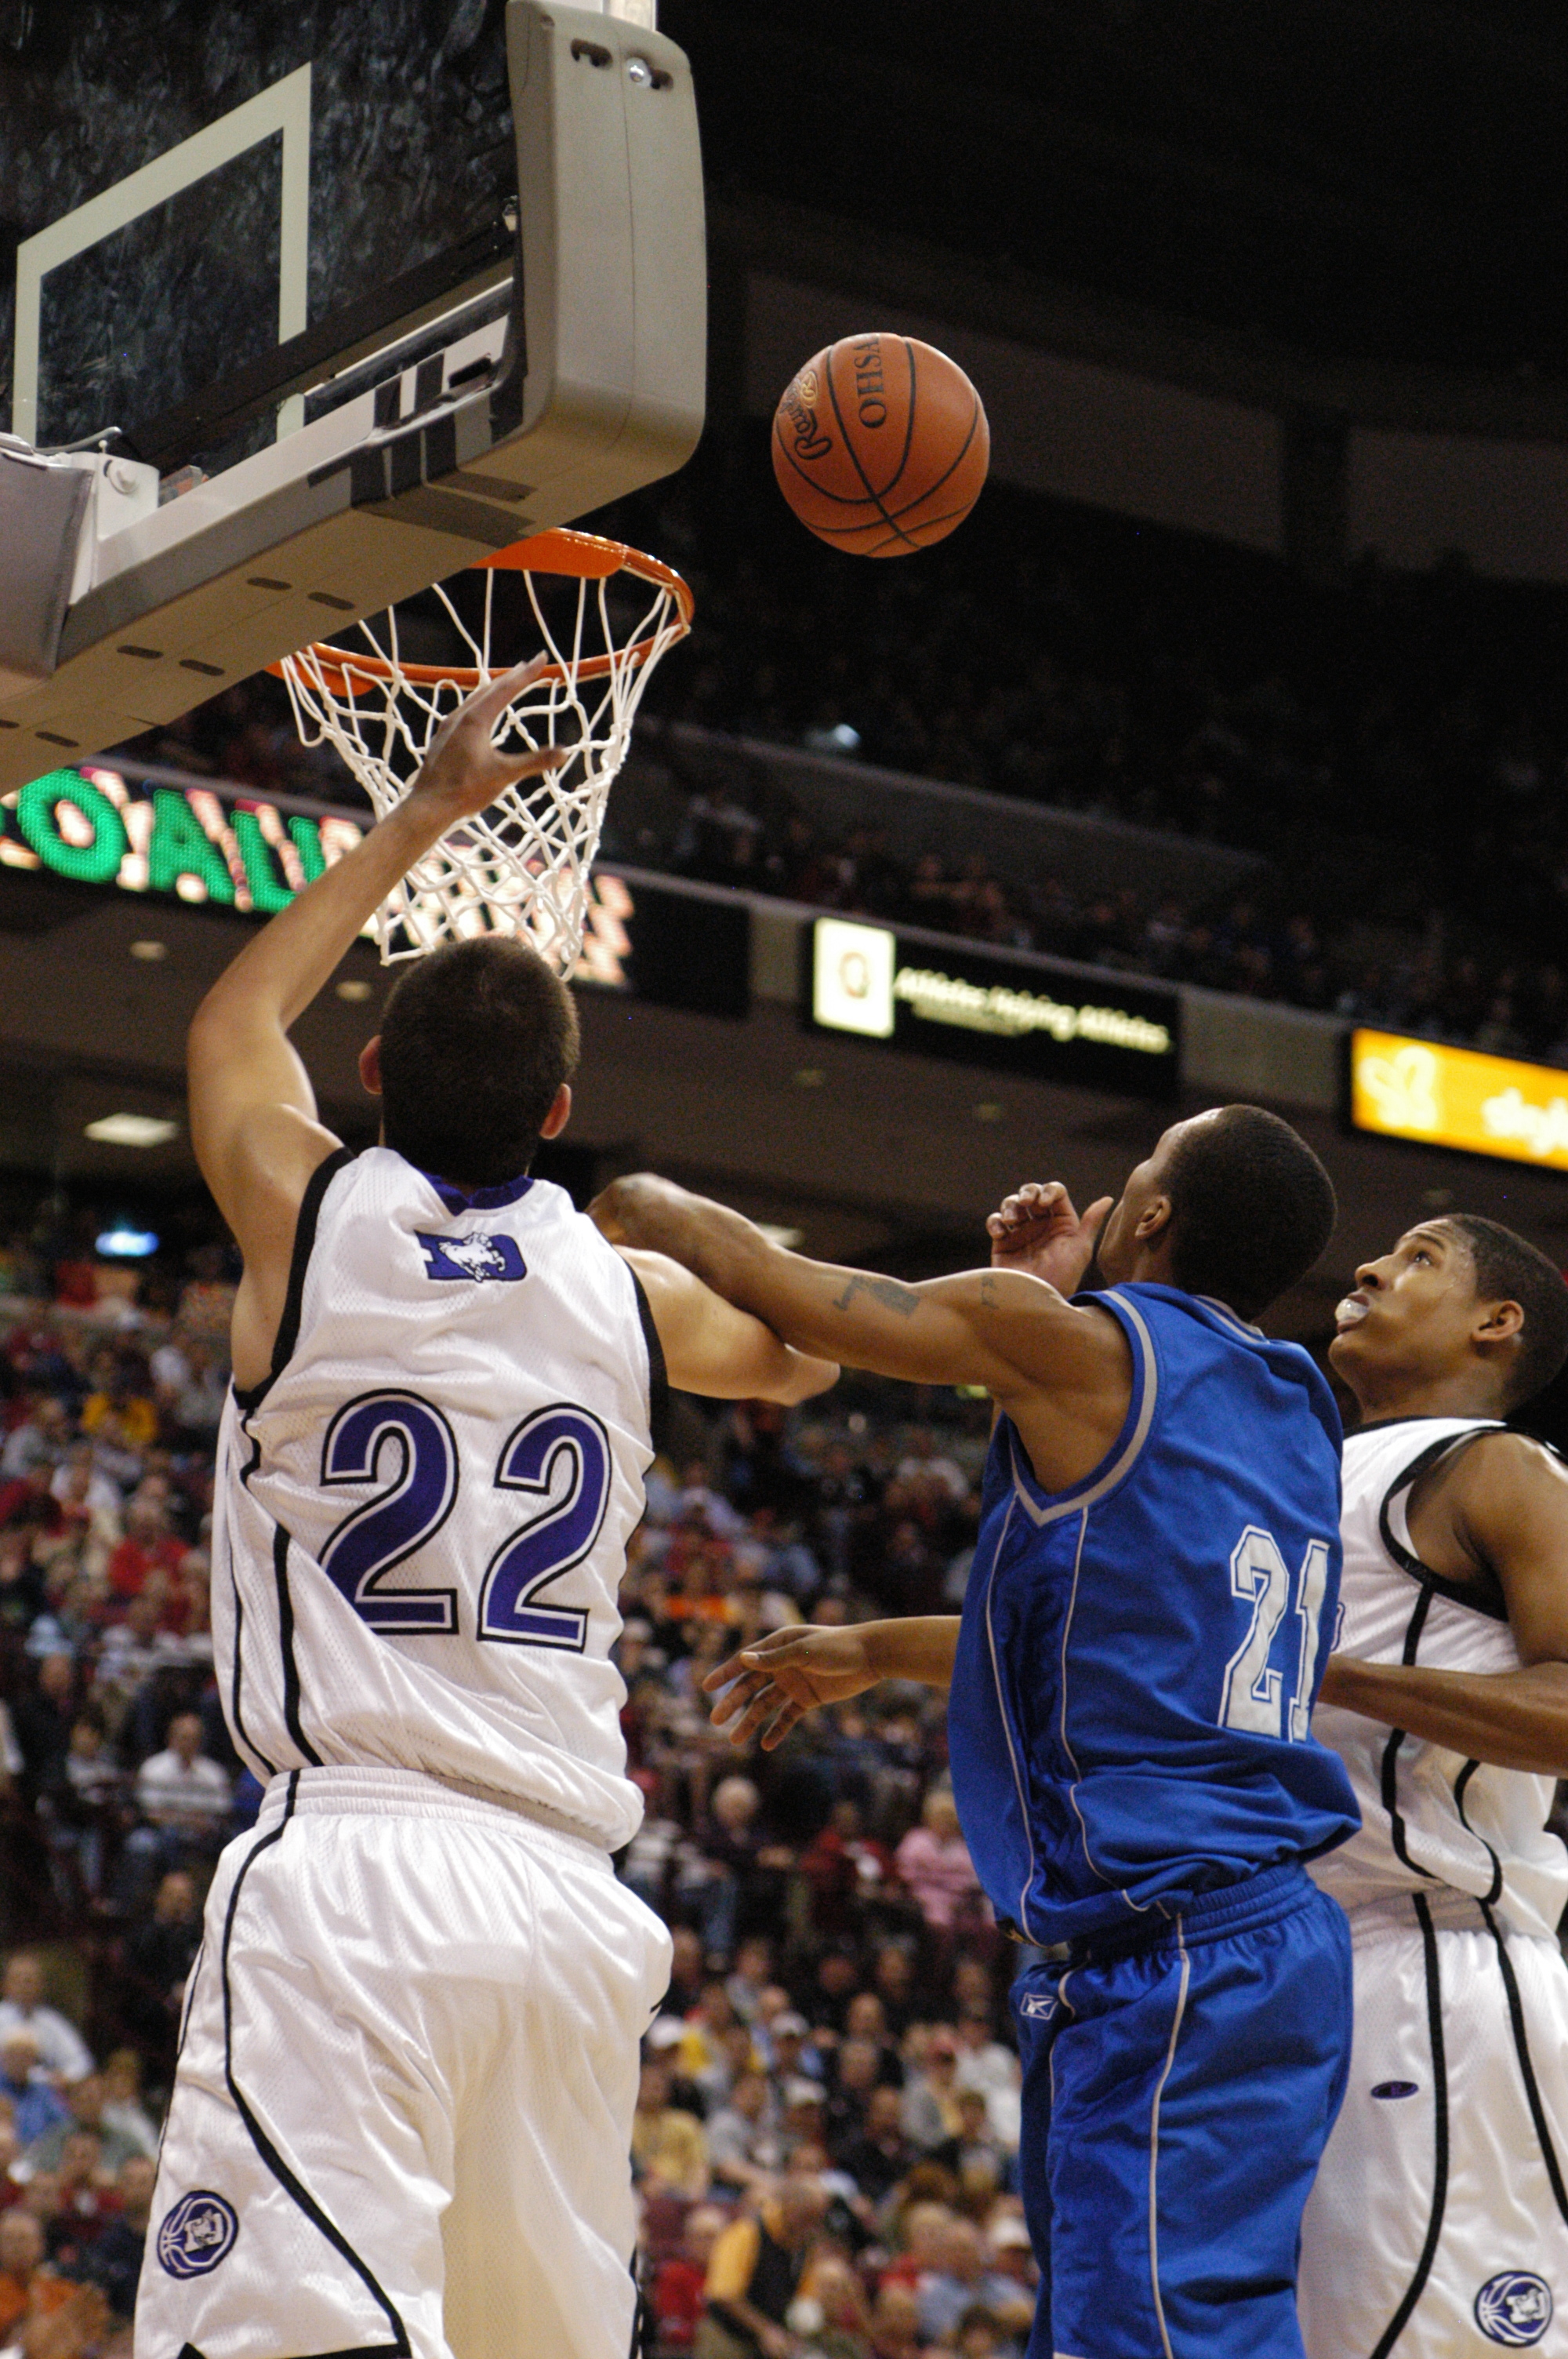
(1438, 2227)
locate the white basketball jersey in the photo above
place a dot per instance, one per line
(1428, 1816)
(422, 1515)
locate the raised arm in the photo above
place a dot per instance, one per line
(711, 1348)
(1003, 1330)
(253, 1111)
(1502, 1506)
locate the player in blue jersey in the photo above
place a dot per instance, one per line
(1130, 1687)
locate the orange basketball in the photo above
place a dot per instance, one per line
(880, 445)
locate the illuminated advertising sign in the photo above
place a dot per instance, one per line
(1038, 1019)
(1457, 1097)
(150, 834)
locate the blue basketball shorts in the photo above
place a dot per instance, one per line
(1178, 2089)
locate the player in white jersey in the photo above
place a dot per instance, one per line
(402, 2117)
(1438, 2227)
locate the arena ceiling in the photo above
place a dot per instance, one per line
(1376, 183)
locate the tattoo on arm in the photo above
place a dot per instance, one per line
(989, 1291)
(887, 1291)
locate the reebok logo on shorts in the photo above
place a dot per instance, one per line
(471, 1258)
(1514, 2308)
(197, 2235)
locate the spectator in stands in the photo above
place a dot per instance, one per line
(933, 1863)
(115, 2262)
(35, 2104)
(158, 1955)
(679, 2290)
(183, 1798)
(755, 2272)
(61, 2049)
(895, 2322)
(123, 2112)
(985, 2065)
(965, 2276)
(930, 2095)
(79, 1808)
(669, 2149)
(85, 2099)
(43, 1716)
(147, 1548)
(23, 2276)
(742, 2144)
(882, 2154)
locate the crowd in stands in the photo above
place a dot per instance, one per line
(1396, 747)
(827, 2128)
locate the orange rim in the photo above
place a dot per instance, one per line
(581, 556)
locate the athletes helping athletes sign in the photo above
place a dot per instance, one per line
(1457, 1097)
(1035, 1018)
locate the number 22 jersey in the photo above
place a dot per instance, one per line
(422, 1514)
(1138, 1655)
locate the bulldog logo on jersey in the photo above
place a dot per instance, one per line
(1514, 2308)
(197, 2235)
(475, 1258)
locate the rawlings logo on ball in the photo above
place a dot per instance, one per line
(799, 406)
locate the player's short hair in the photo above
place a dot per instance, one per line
(1508, 1269)
(475, 1042)
(1251, 1207)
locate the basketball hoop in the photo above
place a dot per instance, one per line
(522, 866)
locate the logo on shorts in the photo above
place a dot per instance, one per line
(197, 2234)
(1395, 2089)
(473, 1257)
(1037, 2007)
(1515, 2308)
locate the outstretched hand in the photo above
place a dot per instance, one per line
(464, 769)
(1037, 1231)
(766, 1688)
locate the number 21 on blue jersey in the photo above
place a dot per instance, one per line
(1254, 1695)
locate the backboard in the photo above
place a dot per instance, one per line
(337, 299)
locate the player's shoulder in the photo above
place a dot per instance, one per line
(1495, 1464)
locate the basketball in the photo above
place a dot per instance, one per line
(880, 445)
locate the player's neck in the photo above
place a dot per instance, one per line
(1396, 1395)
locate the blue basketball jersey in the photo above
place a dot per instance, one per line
(1130, 1718)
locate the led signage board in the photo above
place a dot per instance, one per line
(221, 846)
(1038, 1018)
(1457, 1097)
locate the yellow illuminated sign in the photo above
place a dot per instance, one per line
(1457, 1097)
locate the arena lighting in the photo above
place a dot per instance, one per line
(1441, 1096)
(121, 1241)
(130, 1130)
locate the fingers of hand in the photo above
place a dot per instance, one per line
(482, 708)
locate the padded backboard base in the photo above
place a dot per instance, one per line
(589, 385)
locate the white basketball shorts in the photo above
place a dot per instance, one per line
(402, 2119)
(1438, 2228)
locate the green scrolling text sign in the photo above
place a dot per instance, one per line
(98, 827)
(102, 826)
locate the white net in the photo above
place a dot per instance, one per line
(524, 865)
